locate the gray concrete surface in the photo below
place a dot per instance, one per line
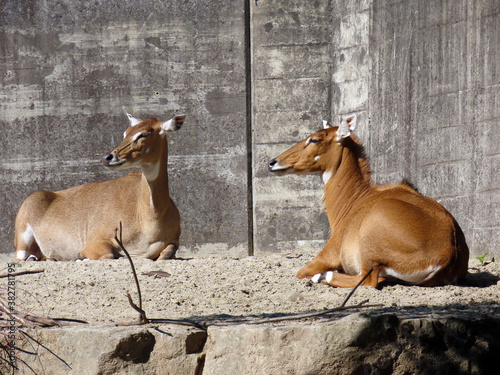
(422, 76)
(424, 80)
(291, 69)
(68, 71)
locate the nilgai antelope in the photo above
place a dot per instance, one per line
(399, 234)
(80, 222)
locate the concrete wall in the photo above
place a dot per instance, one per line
(435, 79)
(424, 79)
(422, 76)
(291, 92)
(68, 70)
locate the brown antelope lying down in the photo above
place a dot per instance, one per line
(80, 222)
(400, 234)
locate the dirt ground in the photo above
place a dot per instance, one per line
(219, 286)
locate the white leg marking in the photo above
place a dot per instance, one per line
(28, 235)
(315, 278)
(21, 254)
(328, 276)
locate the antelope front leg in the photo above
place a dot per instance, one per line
(28, 255)
(327, 260)
(26, 246)
(342, 280)
(168, 252)
(98, 250)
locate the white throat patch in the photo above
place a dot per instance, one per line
(151, 171)
(326, 176)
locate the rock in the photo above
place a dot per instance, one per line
(355, 344)
(105, 349)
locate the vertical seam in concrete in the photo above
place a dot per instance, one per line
(471, 96)
(248, 79)
(413, 131)
(368, 142)
(330, 67)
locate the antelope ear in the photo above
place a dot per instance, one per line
(346, 127)
(326, 125)
(133, 121)
(173, 124)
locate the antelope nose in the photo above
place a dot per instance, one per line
(272, 163)
(106, 159)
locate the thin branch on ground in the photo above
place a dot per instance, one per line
(21, 273)
(27, 320)
(142, 314)
(204, 325)
(356, 287)
(302, 315)
(288, 317)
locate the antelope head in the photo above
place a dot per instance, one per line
(143, 142)
(318, 153)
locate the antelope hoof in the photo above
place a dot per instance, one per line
(322, 277)
(168, 253)
(31, 258)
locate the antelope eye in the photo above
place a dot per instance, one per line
(139, 136)
(311, 140)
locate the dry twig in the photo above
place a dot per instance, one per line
(299, 316)
(142, 314)
(21, 273)
(26, 320)
(144, 320)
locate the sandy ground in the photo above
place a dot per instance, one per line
(210, 287)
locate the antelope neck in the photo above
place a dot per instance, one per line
(155, 184)
(346, 187)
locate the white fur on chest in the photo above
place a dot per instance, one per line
(325, 176)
